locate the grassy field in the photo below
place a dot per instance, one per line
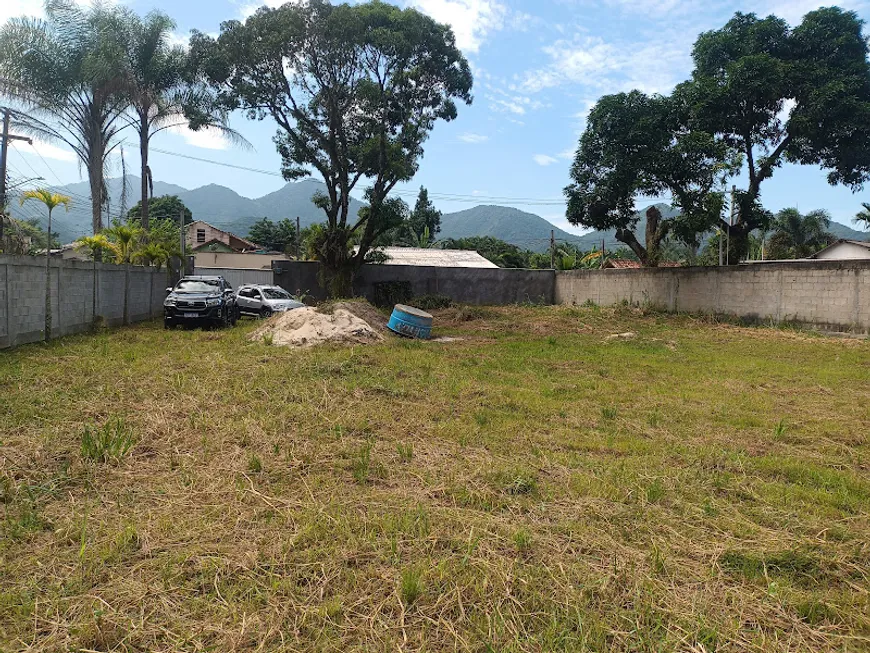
(532, 487)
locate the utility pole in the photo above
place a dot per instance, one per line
(298, 236)
(552, 249)
(6, 137)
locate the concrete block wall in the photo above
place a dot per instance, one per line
(22, 296)
(832, 295)
(465, 285)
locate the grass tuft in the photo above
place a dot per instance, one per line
(410, 586)
(108, 443)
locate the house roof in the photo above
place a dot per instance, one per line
(860, 243)
(624, 264)
(248, 244)
(439, 258)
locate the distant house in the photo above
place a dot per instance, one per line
(437, 258)
(217, 248)
(204, 237)
(624, 264)
(844, 250)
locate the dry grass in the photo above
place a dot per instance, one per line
(531, 488)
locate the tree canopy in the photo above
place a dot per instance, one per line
(635, 144)
(165, 207)
(797, 235)
(424, 217)
(355, 91)
(66, 71)
(279, 237)
(761, 94)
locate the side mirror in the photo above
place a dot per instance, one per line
(168, 290)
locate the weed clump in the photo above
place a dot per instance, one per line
(410, 586)
(108, 443)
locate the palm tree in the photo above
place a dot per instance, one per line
(51, 201)
(94, 246)
(863, 217)
(162, 95)
(66, 70)
(797, 236)
(126, 238)
(152, 254)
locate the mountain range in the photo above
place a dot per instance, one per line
(226, 209)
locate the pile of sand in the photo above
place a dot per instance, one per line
(306, 327)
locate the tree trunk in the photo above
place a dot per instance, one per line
(48, 282)
(656, 230)
(627, 236)
(146, 172)
(95, 177)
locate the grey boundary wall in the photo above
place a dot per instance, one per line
(829, 295)
(465, 285)
(22, 296)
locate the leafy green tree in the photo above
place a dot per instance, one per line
(863, 216)
(498, 251)
(777, 95)
(39, 240)
(355, 91)
(633, 145)
(425, 217)
(66, 71)
(165, 207)
(795, 235)
(280, 237)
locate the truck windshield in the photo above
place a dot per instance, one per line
(197, 285)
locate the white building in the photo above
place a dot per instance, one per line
(844, 250)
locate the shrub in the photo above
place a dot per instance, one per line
(432, 302)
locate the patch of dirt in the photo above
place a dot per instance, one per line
(306, 327)
(629, 335)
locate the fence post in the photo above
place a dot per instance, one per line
(10, 339)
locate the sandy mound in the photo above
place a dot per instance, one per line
(306, 327)
(363, 310)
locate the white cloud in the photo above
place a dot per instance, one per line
(472, 20)
(206, 138)
(13, 8)
(545, 159)
(515, 104)
(48, 151)
(654, 67)
(469, 137)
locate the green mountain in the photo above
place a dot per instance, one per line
(530, 231)
(525, 230)
(218, 205)
(226, 209)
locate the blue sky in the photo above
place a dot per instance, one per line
(539, 66)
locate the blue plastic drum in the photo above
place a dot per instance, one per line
(410, 322)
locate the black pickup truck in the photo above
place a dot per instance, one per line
(200, 301)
